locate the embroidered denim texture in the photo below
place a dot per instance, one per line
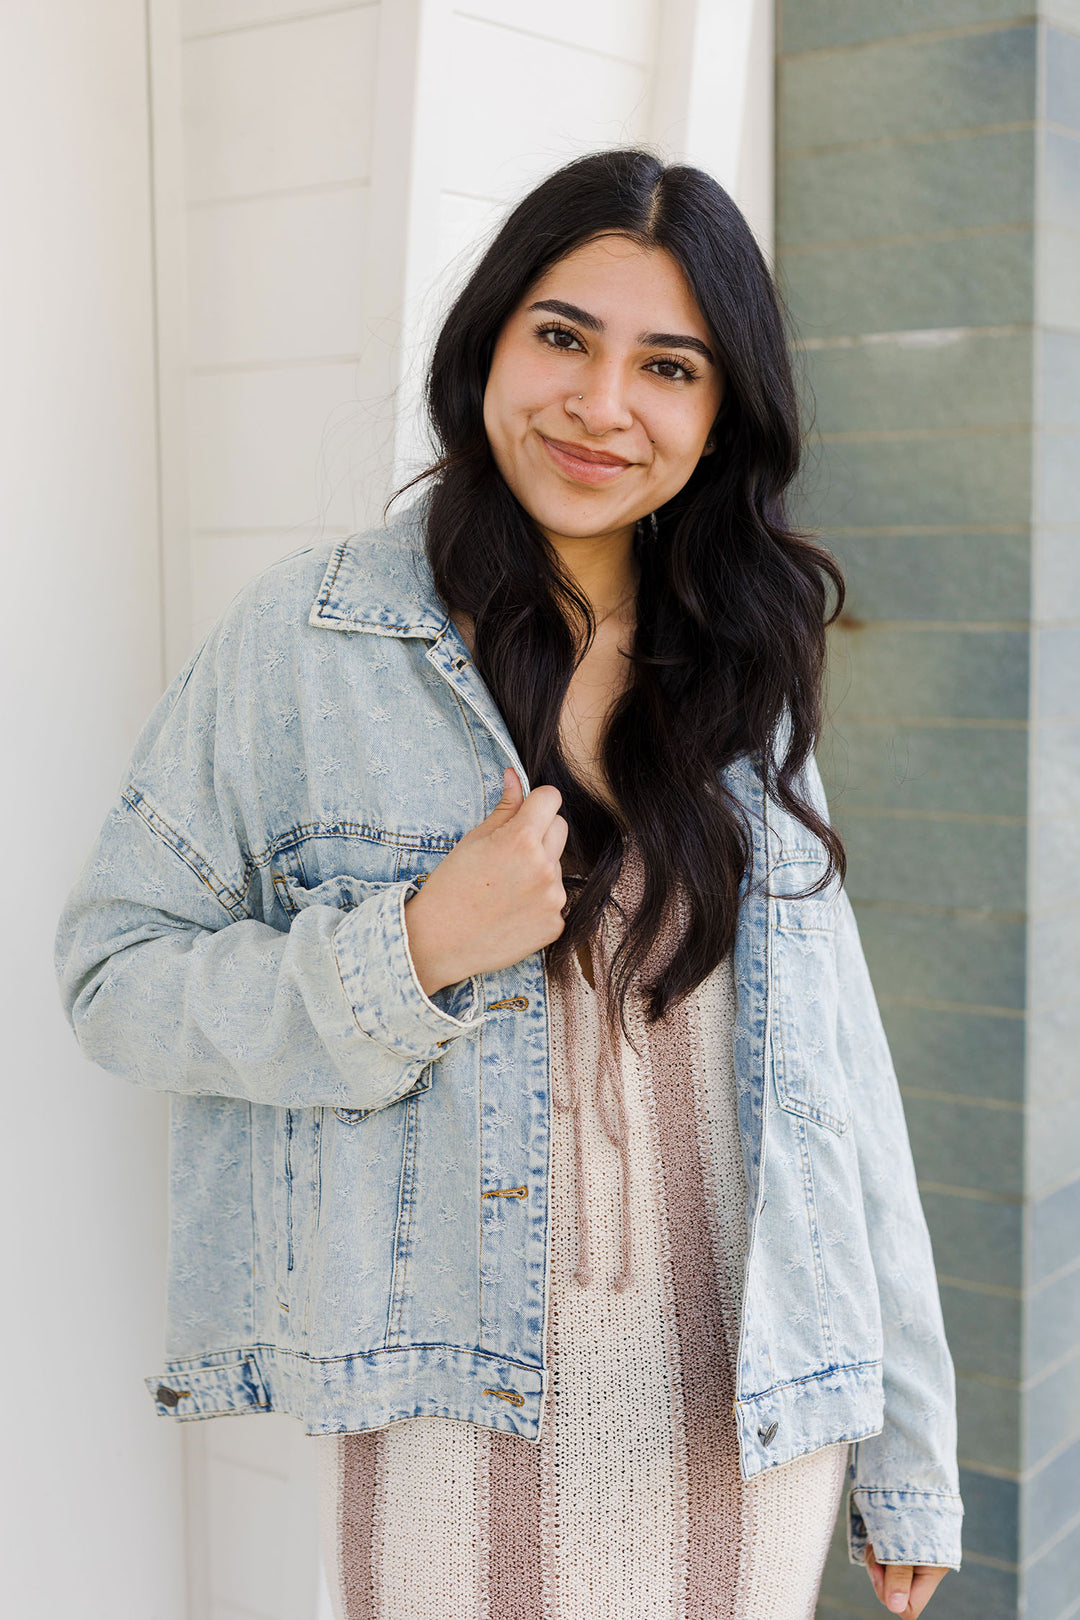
(360, 1172)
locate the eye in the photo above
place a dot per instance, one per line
(555, 330)
(689, 372)
(560, 331)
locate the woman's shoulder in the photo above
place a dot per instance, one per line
(376, 578)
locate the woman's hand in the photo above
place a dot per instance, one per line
(498, 896)
(905, 1589)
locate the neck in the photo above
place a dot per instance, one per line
(603, 566)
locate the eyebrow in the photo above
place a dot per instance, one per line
(672, 340)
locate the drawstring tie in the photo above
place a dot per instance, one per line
(610, 1100)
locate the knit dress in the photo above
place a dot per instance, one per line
(632, 1506)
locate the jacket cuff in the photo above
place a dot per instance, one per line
(377, 973)
(904, 1527)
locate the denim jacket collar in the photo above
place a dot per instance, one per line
(382, 585)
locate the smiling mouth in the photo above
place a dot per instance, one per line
(585, 466)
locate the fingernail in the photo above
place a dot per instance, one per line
(898, 1603)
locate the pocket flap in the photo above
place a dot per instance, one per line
(342, 891)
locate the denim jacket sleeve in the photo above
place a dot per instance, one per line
(903, 1484)
(170, 978)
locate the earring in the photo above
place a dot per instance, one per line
(581, 396)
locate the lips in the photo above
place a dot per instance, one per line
(602, 458)
(581, 466)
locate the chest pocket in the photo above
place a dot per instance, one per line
(809, 1078)
(342, 891)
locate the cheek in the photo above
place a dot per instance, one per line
(679, 435)
(528, 383)
(508, 401)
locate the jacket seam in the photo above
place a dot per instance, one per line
(185, 850)
(811, 1378)
(815, 1238)
(467, 727)
(402, 1239)
(363, 831)
(905, 1491)
(213, 1361)
(326, 590)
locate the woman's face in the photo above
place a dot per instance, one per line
(616, 324)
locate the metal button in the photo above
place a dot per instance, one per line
(167, 1397)
(766, 1435)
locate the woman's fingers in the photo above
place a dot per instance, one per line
(554, 840)
(925, 1583)
(904, 1589)
(896, 1587)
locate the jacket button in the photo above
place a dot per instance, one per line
(167, 1397)
(766, 1435)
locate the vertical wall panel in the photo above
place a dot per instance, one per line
(92, 1507)
(925, 211)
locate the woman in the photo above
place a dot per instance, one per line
(559, 1115)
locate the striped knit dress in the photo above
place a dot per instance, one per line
(632, 1506)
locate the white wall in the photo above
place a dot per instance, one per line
(231, 307)
(92, 1516)
(342, 163)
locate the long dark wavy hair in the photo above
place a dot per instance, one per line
(731, 606)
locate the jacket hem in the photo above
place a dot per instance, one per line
(351, 1394)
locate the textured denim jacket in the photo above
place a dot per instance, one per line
(236, 938)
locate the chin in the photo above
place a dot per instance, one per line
(575, 516)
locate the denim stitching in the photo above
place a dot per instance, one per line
(815, 1238)
(809, 1378)
(360, 831)
(226, 897)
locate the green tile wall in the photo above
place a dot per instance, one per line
(928, 238)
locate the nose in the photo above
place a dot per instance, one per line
(604, 402)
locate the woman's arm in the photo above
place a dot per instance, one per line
(163, 984)
(168, 979)
(904, 1493)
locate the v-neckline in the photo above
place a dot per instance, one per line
(581, 974)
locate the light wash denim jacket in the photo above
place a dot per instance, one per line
(236, 938)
